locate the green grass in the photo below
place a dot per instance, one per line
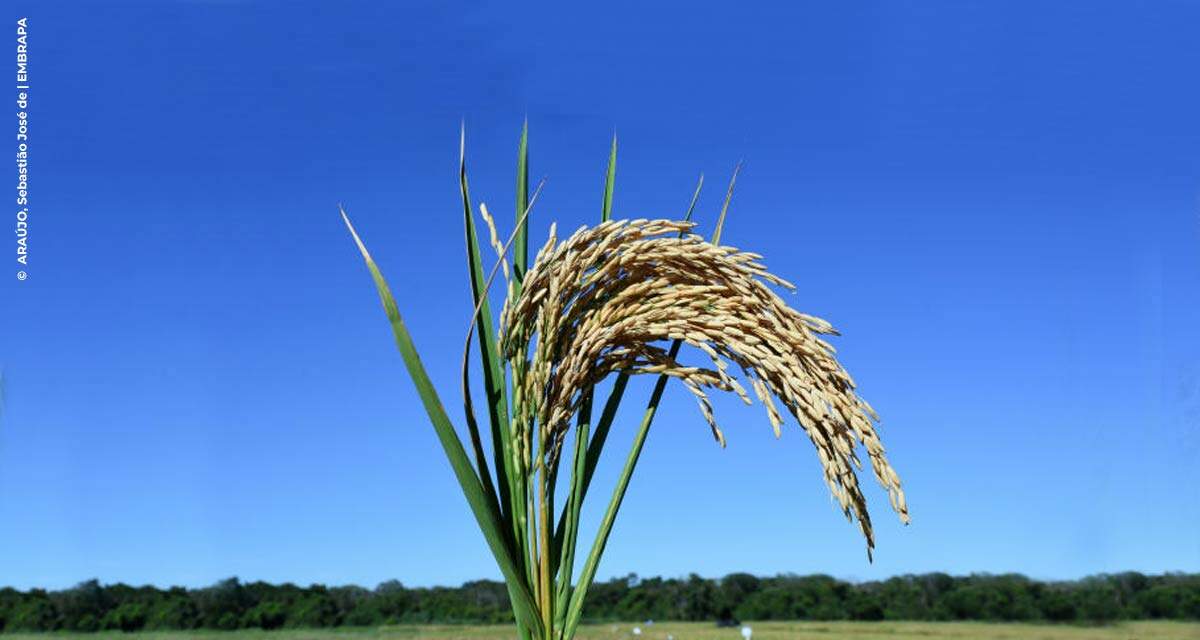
(702, 631)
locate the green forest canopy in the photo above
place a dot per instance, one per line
(231, 604)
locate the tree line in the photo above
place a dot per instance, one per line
(232, 604)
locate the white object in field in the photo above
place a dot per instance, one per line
(747, 632)
(637, 631)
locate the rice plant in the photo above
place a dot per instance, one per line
(618, 299)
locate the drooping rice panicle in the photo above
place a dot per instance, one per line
(598, 302)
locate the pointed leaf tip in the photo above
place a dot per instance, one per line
(357, 240)
(462, 144)
(725, 207)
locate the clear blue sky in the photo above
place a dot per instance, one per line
(997, 203)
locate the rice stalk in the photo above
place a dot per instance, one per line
(605, 301)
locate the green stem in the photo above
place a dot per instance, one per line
(596, 446)
(569, 537)
(588, 573)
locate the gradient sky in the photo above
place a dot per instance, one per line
(997, 204)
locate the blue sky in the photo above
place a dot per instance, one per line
(997, 203)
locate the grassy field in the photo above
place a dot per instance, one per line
(698, 631)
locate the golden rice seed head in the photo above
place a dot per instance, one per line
(593, 304)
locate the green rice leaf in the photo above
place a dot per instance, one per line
(493, 372)
(610, 178)
(521, 248)
(486, 515)
(569, 531)
(716, 239)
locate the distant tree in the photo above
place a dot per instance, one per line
(81, 607)
(697, 599)
(227, 621)
(222, 605)
(34, 614)
(1128, 585)
(87, 623)
(864, 604)
(904, 599)
(1058, 605)
(365, 614)
(175, 610)
(265, 615)
(732, 591)
(820, 598)
(603, 599)
(966, 603)
(1097, 601)
(128, 616)
(349, 599)
(935, 585)
(389, 604)
(313, 610)
(773, 602)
